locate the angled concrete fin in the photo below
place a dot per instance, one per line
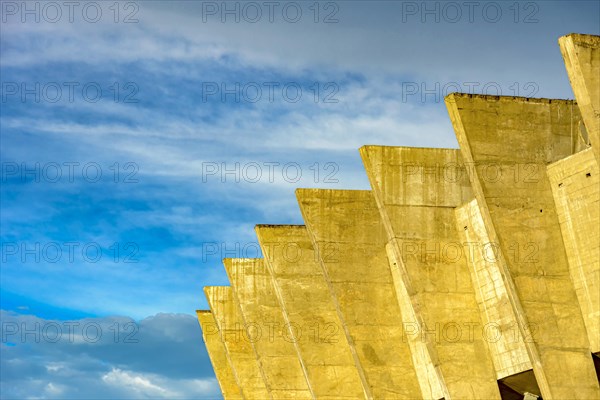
(504, 339)
(509, 141)
(581, 54)
(417, 190)
(311, 311)
(237, 342)
(347, 233)
(263, 317)
(218, 356)
(576, 189)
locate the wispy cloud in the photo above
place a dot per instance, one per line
(191, 154)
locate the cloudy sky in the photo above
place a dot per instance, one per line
(141, 142)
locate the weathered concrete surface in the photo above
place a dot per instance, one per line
(510, 236)
(576, 189)
(239, 348)
(503, 336)
(509, 141)
(218, 356)
(311, 313)
(352, 253)
(581, 54)
(263, 317)
(416, 192)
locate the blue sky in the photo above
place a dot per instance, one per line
(116, 204)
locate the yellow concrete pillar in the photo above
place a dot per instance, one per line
(502, 333)
(581, 54)
(218, 356)
(416, 192)
(508, 142)
(576, 188)
(263, 317)
(346, 231)
(237, 342)
(311, 312)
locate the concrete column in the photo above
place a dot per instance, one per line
(576, 190)
(417, 191)
(263, 317)
(238, 346)
(502, 333)
(581, 54)
(346, 231)
(311, 312)
(218, 356)
(508, 141)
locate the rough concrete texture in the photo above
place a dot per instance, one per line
(416, 191)
(218, 356)
(468, 273)
(502, 334)
(576, 189)
(264, 320)
(352, 254)
(239, 348)
(305, 296)
(501, 137)
(581, 54)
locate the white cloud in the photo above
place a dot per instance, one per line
(149, 385)
(138, 384)
(53, 390)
